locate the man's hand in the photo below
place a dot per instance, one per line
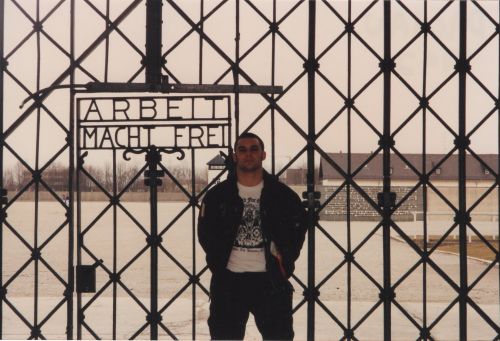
(277, 254)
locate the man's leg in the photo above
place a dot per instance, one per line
(228, 311)
(273, 312)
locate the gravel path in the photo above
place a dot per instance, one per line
(334, 293)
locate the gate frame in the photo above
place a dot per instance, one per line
(385, 203)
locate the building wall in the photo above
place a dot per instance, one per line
(360, 208)
(412, 208)
(486, 210)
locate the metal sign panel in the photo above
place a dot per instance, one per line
(166, 122)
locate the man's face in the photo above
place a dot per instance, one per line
(248, 155)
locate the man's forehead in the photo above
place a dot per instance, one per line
(248, 142)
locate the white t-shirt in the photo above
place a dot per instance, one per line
(248, 250)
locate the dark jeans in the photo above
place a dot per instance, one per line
(235, 295)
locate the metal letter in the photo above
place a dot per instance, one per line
(93, 108)
(91, 135)
(136, 136)
(142, 108)
(198, 137)
(115, 109)
(106, 136)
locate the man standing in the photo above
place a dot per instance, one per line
(251, 227)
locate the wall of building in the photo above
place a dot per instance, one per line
(412, 208)
(361, 210)
(486, 210)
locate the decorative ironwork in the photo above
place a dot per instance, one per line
(186, 53)
(167, 122)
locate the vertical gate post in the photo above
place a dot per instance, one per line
(311, 66)
(461, 142)
(386, 199)
(70, 139)
(153, 41)
(152, 180)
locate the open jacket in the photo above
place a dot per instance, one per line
(282, 221)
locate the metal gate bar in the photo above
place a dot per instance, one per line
(311, 293)
(154, 62)
(461, 143)
(71, 186)
(387, 64)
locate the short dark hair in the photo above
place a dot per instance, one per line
(249, 135)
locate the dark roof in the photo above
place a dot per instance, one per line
(218, 160)
(401, 171)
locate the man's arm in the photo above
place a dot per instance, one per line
(204, 224)
(299, 225)
(295, 223)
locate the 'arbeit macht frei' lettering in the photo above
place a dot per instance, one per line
(187, 122)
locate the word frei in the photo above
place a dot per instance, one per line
(169, 121)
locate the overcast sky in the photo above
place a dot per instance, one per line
(183, 63)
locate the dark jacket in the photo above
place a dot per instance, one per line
(283, 221)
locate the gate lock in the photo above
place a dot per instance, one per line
(85, 277)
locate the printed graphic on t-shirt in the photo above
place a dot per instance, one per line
(249, 233)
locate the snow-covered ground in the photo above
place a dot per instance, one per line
(347, 284)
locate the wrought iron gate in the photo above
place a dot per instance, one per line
(106, 243)
(386, 78)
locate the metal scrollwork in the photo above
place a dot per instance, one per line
(172, 150)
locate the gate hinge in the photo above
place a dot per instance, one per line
(3, 64)
(152, 177)
(153, 182)
(3, 201)
(311, 199)
(3, 292)
(386, 199)
(150, 173)
(3, 196)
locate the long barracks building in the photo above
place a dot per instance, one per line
(405, 182)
